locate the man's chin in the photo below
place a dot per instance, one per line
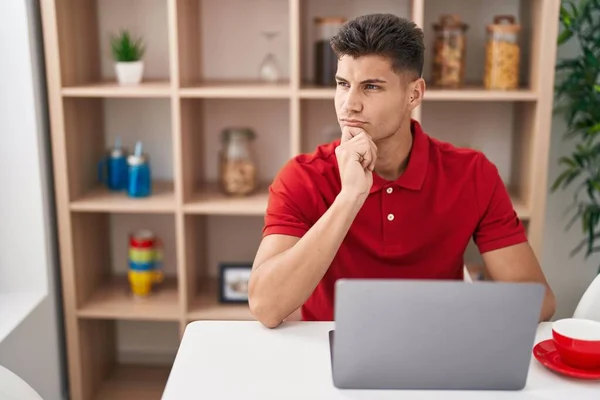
(378, 138)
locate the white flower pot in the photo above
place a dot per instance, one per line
(129, 73)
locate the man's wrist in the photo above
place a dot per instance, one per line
(350, 200)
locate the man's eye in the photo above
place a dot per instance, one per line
(372, 87)
(344, 84)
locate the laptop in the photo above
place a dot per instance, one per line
(433, 335)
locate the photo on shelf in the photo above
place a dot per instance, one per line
(233, 282)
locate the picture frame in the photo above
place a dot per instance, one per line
(233, 282)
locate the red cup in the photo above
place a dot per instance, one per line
(578, 342)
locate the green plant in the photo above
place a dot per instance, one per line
(577, 96)
(125, 48)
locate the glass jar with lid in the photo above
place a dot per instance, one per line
(237, 170)
(325, 60)
(450, 48)
(502, 54)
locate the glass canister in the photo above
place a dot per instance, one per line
(325, 60)
(502, 54)
(450, 48)
(238, 171)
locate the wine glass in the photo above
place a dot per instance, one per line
(269, 67)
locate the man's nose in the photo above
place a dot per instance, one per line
(353, 102)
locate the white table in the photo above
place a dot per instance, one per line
(244, 360)
(13, 387)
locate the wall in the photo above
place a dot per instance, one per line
(568, 276)
(33, 350)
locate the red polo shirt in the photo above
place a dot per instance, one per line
(417, 227)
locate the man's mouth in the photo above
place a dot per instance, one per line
(352, 122)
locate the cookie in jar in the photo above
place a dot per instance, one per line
(237, 170)
(449, 52)
(502, 54)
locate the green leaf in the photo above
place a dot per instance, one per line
(565, 36)
(594, 128)
(567, 161)
(125, 48)
(560, 180)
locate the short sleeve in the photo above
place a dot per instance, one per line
(292, 202)
(499, 226)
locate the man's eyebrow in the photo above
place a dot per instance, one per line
(375, 80)
(366, 81)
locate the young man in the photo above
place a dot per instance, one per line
(386, 200)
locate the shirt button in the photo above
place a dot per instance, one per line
(389, 190)
(390, 217)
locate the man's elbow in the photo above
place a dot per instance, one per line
(549, 306)
(264, 313)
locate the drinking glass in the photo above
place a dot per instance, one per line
(269, 67)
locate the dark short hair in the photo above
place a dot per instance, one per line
(386, 35)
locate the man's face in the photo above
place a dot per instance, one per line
(371, 95)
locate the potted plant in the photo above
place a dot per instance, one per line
(577, 96)
(127, 53)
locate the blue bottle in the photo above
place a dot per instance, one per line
(113, 169)
(140, 177)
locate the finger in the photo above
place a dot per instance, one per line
(368, 152)
(373, 148)
(367, 155)
(352, 132)
(348, 133)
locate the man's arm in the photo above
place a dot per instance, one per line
(518, 263)
(287, 269)
(501, 237)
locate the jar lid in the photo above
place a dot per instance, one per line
(450, 21)
(504, 23)
(228, 133)
(330, 20)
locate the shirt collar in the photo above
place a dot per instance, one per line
(414, 175)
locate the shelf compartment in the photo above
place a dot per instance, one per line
(114, 300)
(206, 305)
(211, 201)
(101, 199)
(240, 90)
(202, 124)
(207, 53)
(126, 382)
(146, 89)
(84, 38)
(92, 126)
(309, 9)
(212, 241)
(477, 16)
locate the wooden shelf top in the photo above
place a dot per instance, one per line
(113, 89)
(101, 199)
(316, 92)
(477, 93)
(520, 207)
(115, 301)
(233, 89)
(206, 305)
(210, 200)
(469, 93)
(128, 382)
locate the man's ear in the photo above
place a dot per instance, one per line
(416, 89)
